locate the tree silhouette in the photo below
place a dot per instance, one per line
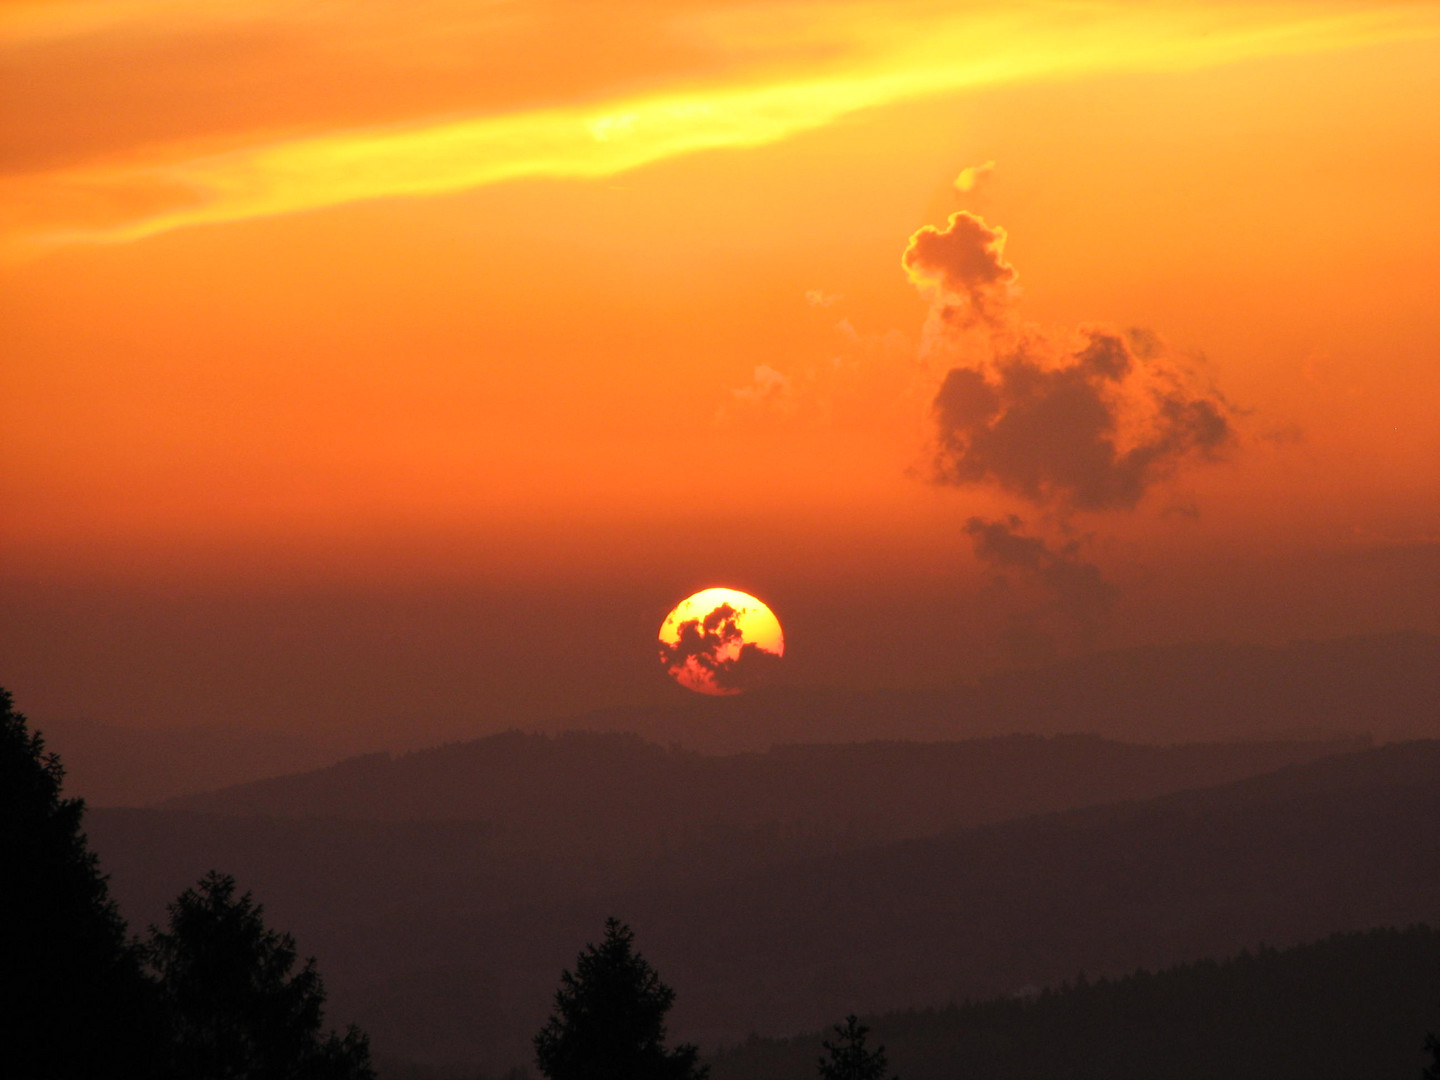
(74, 1001)
(849, 1060)
(235, 1010)
(609, 1019)
(1432, 1044)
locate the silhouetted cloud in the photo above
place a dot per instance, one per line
(1091, 429)
(965, 265)
(701, 646)
(1085, 421)
(751, 668)
(1086, 424)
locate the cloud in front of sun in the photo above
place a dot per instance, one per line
(721, 641)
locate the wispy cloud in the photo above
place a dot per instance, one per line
(922, 53)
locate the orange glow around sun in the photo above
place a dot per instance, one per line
(720, 641)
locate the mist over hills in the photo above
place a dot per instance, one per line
(1385, 685)
(595, 788)
(445, 938)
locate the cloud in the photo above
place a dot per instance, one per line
(962, 267)
(1077, 587)
(1086, 421)
(302, 152)
(820, 298)
(1090, 421)
(703, 646)
(1069, 596)
(973, 175)
(1092, 427)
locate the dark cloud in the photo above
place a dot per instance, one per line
(1077, 588)
(966, 262)
(702, 639)
(1089, 421)
(701, 642)
(753, 667)
(1093, 429)
(1087, 425)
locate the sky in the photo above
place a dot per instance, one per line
(399, 367)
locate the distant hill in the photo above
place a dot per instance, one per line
(593, 789)
(1385, 685)
(1351, 1007)
(445, 939)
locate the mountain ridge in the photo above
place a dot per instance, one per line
(1384, 685)
(454, 956)
(594, 783)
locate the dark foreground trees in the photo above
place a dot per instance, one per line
(73, 998)
(609, 1019)
(211, 998)
(848, 1059)
(235, 1006)
(1432, 1044)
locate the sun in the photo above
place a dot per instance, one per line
(720, 641)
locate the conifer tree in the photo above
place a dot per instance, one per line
(1432, 1044)
(74, 1001)
(609, 1019)
(235, 1009)
(848, 1059)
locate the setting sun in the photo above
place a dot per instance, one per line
(720, 641)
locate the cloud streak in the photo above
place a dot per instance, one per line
(921, 54)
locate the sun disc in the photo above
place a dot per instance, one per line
(720, 641)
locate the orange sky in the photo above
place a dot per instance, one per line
(364, 300)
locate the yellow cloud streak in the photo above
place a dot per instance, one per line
(457, 155)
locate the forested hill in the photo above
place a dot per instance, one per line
(1354, 1006)
(603, 787)
(1386, 685)
(444, 941)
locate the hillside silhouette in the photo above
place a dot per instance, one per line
(1343, 1008)
(597, 788)
(1385, 685)
(440, 937)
